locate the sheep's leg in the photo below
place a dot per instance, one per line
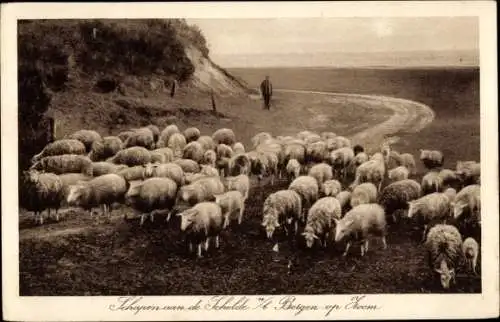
(424, 233)
(90, 213)
(346, 249)
(190, 247)
(296, 227)
(169, 215)
(207, 243)
(217, 241)
(199, 250)
(240, 218)
(152, 216)
(143, 217)
(366, 245)
(362, 249)
(57, 215)
(384, 242)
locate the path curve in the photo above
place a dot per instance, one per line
(408, 116)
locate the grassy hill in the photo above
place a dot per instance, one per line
(110, 75)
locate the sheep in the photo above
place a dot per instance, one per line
(358, 149)
(192, 177)
(431, 182)
(229, 203)
(431, 158)
(151, 195)
(165, 135)
(238, 164)
(408, 161)
(327, 135)
(238, 148)
(133, 173)
(40, 192)
(467, 204)
(209, 171)
(431, 209)
(316, 152)
(71, 179)
(207, 142)
(330, 188)
(295, 151)
(282, 207)
(360, 223)
(209, 157)
(66, 163)
(337, 143)
(469, 172)
(201, 223)
(162, 155)
(358, 160)
(371, 171)
(223, 166)
(319, 220)
(340, 159)
(194, 151)
(451, 193)
(363, 194)
(188, 165)
(108, 147)
(225, 136)
(87, 137)
(448, 177)
(203, 189)
(344, 198)
(395, 196)
(166, 170)
(398, 173)
(393, 159)
(321, 172)
(136, 155)
(293, 169)
(302, 135)
(101, 191)
(307, 188)
(155, 130)
(124, 135)
(259, 138)
(443, 246)
(60, 147)
(102, 167)
(141, 137)
(263, 163)
(240, 183)
(224, 151)
(191, 134)
(177, 142)
(470, 252)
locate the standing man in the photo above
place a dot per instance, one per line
(266, 88)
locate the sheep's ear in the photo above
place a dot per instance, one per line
(438, 270)
(264, 224)
(315, 236)
(304, 234)
(452, 271)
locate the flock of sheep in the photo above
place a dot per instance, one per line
(335, 191)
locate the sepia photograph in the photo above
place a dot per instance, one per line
(217, 158)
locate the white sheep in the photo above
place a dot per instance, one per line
(470, 251)
(363, 194)
(240, 183)
(344, 198)
(340, 160)
(177, 142)
(71, 179)
(151, 195)
(467, 204)
(320, 219)
(443, 246)
(201, 223)
(327, 135)
(280, 209)
(307, 188)
(66, 163)
(396, 196)
(451, 193)
(238, 148)
(203, 189)
(136, 155)
(165, 135)
(102, 167)
(295, 151)
(225, 136)
(209, 171)
(408, 161)
(87, 137)
(358, 160)
(398, 173)
(431, 158)
(337, 143)
(155, 130)
(448, 177)
(330, 188)
(260, 138)
(430, 209)
(101, 191)
(60, 147)
(194, 151)
(231, 202)
(162, 155)
(321, 172)
(188, 165)
(108, 147)
(134, 173)
(207, 142)
(371, 171)
(209, 157)
(143, 137)
(238, 164)
(293, 169)
(191, 134)
(469, 172)
(223, 151)
(166, 170)
(361, 223)
(316, 152)
(431, 182)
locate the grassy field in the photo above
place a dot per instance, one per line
(79, 256)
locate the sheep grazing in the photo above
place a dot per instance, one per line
(87, 137)
(238, 164)
(60, 147)
(100, 168)
(331, 188)
(238, 148)
(192, 134)
(361, 223)
(155, 130)
(203, 189)
(467, 205)
(108, 147)
(223, 166)
(231, 202)
(40, 192)
(363, 194)
(66, 163)
(209, 157)
(393, 159)
(283, 207)
(295, 151)
(166, 170)
(371, 171)
(443, 246)
(398, 173)
(293, 169)
(224, 151)
(448, 177)
(209, 171)
(431, 182)
(194, 151)
(188, 165)
(469, 172)
(151, 195)
(408, 161)
(101, 191)
(451, 193)
(357, 149)
(470, 252)
(262, 164)
(167, 153)
(224, 136)
(431, 158)
(124, 135)
(396, 196)
(344, 198)
(207, 142)
(316, 152)
(319, 220)
(142, 137)
(358, 160)
(68, 180)
(260, 138)
(165, 135)
(201, 223)
(136, 155)
(177, 142)
(134, 173)
(240, 183)
(430, 209)
(321, 172)
(307, 188)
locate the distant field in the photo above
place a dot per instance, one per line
(80, 257)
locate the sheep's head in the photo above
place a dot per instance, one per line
(270, 222)
(412, 210)
(424, 154)
(149, 169)
(309, 236)
(458, 209)
(76, 193)
(446, 276)
(187, 218)
(342, 228)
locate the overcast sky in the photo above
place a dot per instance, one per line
(310, 35)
